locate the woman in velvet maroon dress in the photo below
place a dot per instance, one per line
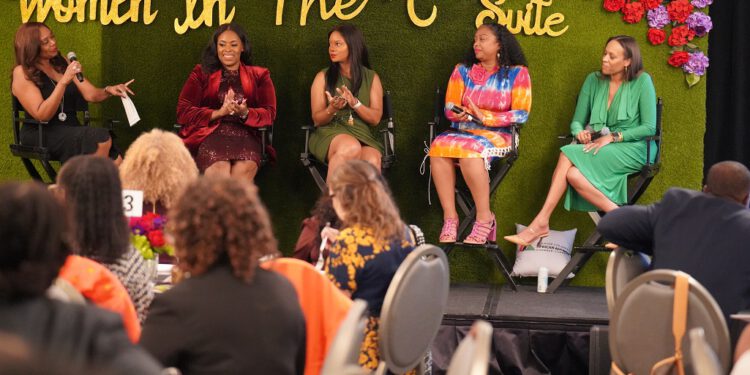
(222, 103)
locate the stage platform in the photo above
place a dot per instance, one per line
(535, 333)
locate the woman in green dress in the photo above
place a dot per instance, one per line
(346, 101)
(621, 100)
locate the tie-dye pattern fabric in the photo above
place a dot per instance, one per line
(504, 98)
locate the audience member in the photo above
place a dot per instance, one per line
(36, 244)
(158, 164)
(346, 101)
(371, 245)
(308, 246)
(222, 101)
(701, 233)
(90, 186)
(229, 316)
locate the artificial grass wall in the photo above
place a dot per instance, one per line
(411, 61)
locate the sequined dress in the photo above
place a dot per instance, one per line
(232, 140)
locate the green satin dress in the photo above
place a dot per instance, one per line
(320, 139)
(633, 114)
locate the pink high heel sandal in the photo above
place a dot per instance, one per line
(448, 233)
(482, 233)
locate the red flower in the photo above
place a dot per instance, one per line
(680, 36)
(156, 238)
(678, 58)
(656, 36)
(632, 12)
(147, 221)
(613, 5)
(679, 10)
(651, 4)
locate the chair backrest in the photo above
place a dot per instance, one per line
(622, 267)
(413, 308)
(62, 290)
(344, 350)
(472, 357)
(640, 328)
(704, 360)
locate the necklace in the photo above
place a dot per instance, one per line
(60, 116)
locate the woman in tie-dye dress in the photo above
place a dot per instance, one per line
(492, 86)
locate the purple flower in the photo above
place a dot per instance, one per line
(658, 17)
(700, 23)
(697, 64)
(701, 3)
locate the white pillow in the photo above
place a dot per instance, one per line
(552, 252)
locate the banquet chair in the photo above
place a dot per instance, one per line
(472, 357)
(705, 361)
(413, 310)
(498, 170)
(64, 291)
(637, 184)
(40, 152)
(318, 168)
(343, 354)
(622, 267)
(648, 325)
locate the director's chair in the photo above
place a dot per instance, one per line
(499, 169)
(38, 151)
(637, 185)
(318, 168)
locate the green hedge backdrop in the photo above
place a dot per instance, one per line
(411, 61)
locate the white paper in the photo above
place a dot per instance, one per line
(741, 316)
(132, 202)
(130, 110)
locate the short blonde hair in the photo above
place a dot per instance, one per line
(158, 164)
(364, 196)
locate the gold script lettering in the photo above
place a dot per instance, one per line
(205, 18)
(418, 21)
(529, 21)
(336, 9)
(110, 13)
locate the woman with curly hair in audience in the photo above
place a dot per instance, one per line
(158, 164)
(229, 315)
(372, 244)
(90, 186)
(35, 245)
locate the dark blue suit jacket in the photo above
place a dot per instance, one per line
(703, 235)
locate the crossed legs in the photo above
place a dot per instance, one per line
(102, 149)
(565, 174)
(345, 147)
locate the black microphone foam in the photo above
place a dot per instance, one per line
(458, 110)
(72, 57)
(387, 106)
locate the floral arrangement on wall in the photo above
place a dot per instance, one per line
(676, 22)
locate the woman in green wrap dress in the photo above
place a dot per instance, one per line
(346, 101)
(621, 98)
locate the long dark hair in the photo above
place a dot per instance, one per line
(510, 51)
(358, 57)
(34, 238)
(210, 61)
(632, 52)
(28, 47)
(93, 193)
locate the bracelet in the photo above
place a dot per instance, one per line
(359, 104)
(329, 113)
(244, 117)
(107, 92)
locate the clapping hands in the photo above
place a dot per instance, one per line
(232, 106)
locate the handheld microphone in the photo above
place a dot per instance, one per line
(72, 57)
(458, 110)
